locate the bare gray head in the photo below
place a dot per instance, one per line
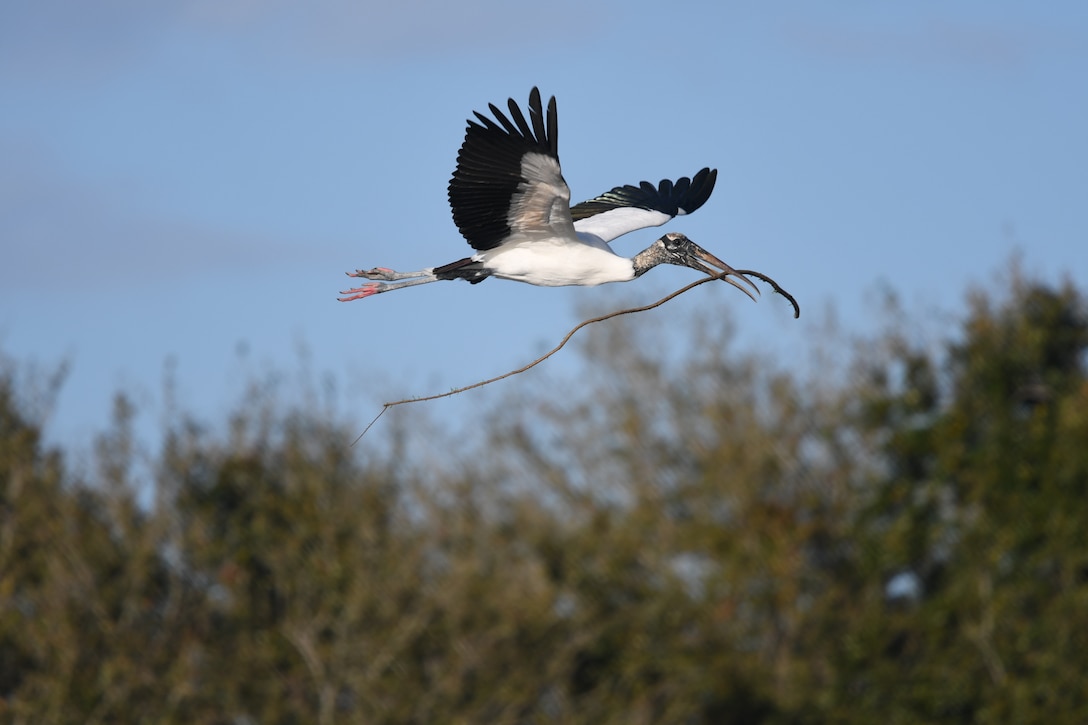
(675, 248)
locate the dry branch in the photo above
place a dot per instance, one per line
(569, 335)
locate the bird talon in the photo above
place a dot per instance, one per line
(358, 293)
(379, 273)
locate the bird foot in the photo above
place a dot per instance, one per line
(380, 273)
(359, 293)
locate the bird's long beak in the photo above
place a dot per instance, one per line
(700, 255)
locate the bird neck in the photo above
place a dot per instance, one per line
(647, 259)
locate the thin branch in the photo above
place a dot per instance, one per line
(779, 290)
(569, 335)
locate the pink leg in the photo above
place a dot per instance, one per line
(386, 281)
(359, 293)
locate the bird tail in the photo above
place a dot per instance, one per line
(467, 269)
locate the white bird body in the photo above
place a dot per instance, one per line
(557, 262)
(512, 205)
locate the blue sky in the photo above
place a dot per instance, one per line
(183, 181)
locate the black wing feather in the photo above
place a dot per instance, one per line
(489, 168)
(685, 195)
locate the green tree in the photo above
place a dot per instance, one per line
(696, 537)
(978, 505)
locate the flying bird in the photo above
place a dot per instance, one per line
(512, 205)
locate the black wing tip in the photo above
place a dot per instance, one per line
(682, 196)
(696, 191)
(489, 165)
(538, 131)
(686, 193)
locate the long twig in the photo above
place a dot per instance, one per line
(772, 283)
(569, 335)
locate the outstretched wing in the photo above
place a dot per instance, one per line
(508, 182)
(627, 208)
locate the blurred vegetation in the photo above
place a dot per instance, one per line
(722, 539)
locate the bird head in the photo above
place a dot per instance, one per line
(675, 248)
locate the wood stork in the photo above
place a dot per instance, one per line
(512, 205)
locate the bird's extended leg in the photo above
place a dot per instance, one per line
(386, 281)
(387, 275)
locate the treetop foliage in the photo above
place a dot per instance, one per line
(718, 541)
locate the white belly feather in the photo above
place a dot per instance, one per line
(557, 263)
